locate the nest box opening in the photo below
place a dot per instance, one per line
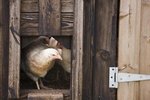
(57, 77)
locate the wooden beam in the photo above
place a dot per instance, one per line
(49, 17)
(145, 49)
(66, 93)
(77, 54)
(105, 46)
(14, 49)
(89, 25)
(129, 49)
(1, 47)
(5, 36)
(44, 96)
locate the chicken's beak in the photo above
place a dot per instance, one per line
(59, 57)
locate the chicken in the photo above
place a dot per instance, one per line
(38, 58)
(64, 52)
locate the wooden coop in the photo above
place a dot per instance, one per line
(29, 19)
(109, 42)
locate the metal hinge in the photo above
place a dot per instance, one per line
(115, 77)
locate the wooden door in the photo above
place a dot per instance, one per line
(134, 36)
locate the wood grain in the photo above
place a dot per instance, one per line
(145, 49)
(129, 50)
(29, 6)
(30, 17)
(1, 56)
(30, 25)
(44, 96)
(89, 25)
(1, 47)
(49, 17)
(5, 36)
(66, 93)
(14, 49)
(105, 33)
(77, 53)
(32, 6)
(67, 23)
(67, 5)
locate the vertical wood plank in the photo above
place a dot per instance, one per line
(129, 41)
(1, 48)
(89, 17)
(49, 17)
(105, 33)
(145, 49)
(77, 55)
(5, 36)
(14, 49)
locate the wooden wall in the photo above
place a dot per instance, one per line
(100, 31)
(31, 16)
(134, 47)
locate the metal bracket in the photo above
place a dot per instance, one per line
(115, 77)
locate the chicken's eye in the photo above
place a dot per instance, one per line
(53, 54)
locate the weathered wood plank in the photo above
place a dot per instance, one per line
(49, 17)
(77, 54)
(67, 23)
(67, 5)
(145, 49)
(30, 25)
(32, 5)
(105, 32)
(1, 56)
(89, 16)
(44, 96)
(5, 36)
(66, 93)
(129, 41)
(29, 6)
(1, 47)
(30, 18)
(14, 49)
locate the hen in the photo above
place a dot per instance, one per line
(38, 58)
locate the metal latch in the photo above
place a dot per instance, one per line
(115, 77)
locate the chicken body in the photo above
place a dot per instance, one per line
(38, 59)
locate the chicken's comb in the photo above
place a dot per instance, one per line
(53, 42)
